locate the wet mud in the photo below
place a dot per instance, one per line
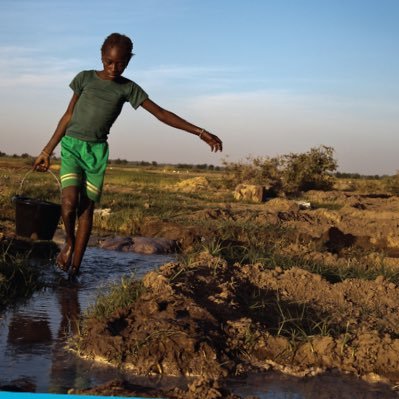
(215, 320)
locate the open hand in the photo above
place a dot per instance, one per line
(42, 163)
(213, 141)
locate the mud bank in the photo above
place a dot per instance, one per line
(213, 320)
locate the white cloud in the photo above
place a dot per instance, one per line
(29, 67)
(32, 67)
(184, 78)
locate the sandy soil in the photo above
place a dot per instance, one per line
(210, 319)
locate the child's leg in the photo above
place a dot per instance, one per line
(83, 165)
(69, 204)
(85, 223)
(71, 181)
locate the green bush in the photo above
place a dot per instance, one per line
(312, 170)
(264, 171)
(290, 174)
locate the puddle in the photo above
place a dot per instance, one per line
(33, 335)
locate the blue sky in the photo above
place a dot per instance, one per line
(268, 77)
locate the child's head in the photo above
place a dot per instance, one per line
(116, 53)
(117, 40)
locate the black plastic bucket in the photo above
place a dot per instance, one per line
(36, 219)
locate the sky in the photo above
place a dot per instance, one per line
(269, 77)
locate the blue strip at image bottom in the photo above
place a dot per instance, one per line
(30, 395)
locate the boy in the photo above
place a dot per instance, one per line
(83, 129)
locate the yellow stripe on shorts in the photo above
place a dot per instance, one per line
(69, 176)
(91, 187)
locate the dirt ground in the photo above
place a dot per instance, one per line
(212, 319)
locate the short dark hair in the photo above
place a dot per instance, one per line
(117, 39)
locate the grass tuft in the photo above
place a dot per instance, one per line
(118, 295)
(18, 279)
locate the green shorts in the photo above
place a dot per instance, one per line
(83, 164)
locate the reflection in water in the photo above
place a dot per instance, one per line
(64, 373)
(24, 332)
(33, 336)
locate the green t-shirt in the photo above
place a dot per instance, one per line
(100, 103)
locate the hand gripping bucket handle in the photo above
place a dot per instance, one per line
(35, 218)
(29, 172)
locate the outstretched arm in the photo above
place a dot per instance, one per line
(42, 162)
(174, 120)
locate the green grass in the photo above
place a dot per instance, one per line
(116, 296)
(18, 279)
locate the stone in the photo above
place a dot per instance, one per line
(250, 192)
(117, 243)
(143, 245)
(153, 245)
(304, 205)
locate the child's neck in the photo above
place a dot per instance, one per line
(103, 75)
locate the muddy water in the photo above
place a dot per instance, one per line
(33, 335)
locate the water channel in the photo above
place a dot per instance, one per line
(33, 336)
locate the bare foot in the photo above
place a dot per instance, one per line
(73, 272)
(64, 258)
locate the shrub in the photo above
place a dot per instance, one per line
(392, 184)
(264, 171)
(312, 170)
(291, 173)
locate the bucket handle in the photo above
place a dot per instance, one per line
(32, 170)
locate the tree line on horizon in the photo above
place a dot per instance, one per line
(324, 153)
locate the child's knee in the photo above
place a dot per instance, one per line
(86, 208)
(69, 200)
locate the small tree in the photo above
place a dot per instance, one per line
(260, 170)
(311, 170)
(290, 173)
